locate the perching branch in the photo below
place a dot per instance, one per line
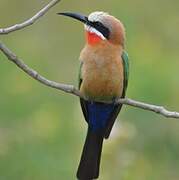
(150, 107)
(72, 90)
(29, 21)
(13, 58)
(64, 87)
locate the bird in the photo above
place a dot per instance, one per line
(103, 77)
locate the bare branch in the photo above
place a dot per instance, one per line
(13, 58)
(29, 21)
(150, 107)
(72, 90)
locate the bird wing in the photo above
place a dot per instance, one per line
(82, 101)
(116, 108)
(125, 60)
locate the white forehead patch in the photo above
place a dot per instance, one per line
(97, 16)
(93, 30)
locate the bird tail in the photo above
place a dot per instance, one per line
(90, 160)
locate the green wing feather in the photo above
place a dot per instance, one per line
(82, 101)
(80, 75)
(118, 107)
(125, 60)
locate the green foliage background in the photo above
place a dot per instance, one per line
(42, 130)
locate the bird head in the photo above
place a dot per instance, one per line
(100, 27)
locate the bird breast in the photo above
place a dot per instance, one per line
(102, 72)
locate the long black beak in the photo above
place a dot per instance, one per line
(76, 16)
(97, 25)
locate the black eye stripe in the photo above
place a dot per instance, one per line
(101, 28)
(98, 24)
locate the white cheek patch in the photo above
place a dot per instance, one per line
(93, 30)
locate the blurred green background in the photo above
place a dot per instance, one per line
(42, 130)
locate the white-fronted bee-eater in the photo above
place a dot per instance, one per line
(103, 77)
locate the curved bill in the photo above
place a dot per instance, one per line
(76, 16)
(84, 19)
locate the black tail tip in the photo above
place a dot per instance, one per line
(86, 175)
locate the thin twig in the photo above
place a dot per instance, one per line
(29, 21)
(34, 74)
(150, 107)
(72, 90)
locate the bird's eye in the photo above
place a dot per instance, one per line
(98, 24)
(103, 29)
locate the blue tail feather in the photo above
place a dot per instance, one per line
(99, 114)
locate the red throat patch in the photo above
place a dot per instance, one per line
(93, 38)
